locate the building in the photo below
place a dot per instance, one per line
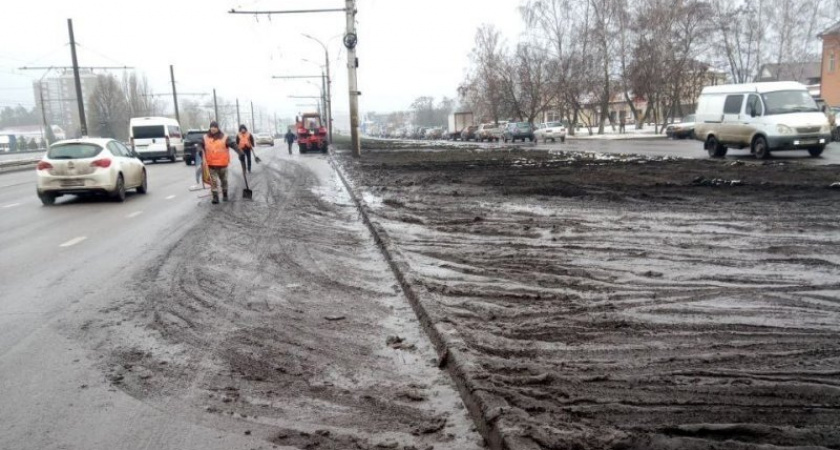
(59, 95)
(830, 72)
(807, 73)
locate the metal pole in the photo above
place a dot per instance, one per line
(215, 106)
(238, 119)
(174, 93)
(79, 96)
(352, 80)
(329, 95)
(43, 112)
(253, 130)
(326, 115)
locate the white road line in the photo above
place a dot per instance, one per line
(170, 197)
(134, 214)
(73, 241)
(11, 205)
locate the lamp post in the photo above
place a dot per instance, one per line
(328, 90)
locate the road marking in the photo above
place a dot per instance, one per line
(134, 214)
(11, 205)
(73, 241)
(170, 197)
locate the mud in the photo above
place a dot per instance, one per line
(625, 302)
(274, 319)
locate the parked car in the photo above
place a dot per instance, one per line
(762, 117)
(89, 166)
(433, 133)
(518, 130)
(156, 138)
(550, 130)
(263, 139)
(682, 130)
(488, 132)
(469, 133)
(191, 141)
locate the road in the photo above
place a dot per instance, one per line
(88, 285)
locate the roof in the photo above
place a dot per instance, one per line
(834, 29)
(755, 87)
(102, 142)
(805, 73)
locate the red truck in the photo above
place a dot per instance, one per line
(312, 135)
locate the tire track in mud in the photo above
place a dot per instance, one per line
(230, 328)
(694, 318)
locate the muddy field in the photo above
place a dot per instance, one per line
(628, 303)
(279, 319)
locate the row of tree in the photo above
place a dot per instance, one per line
(19, 116)
(578, 55)
(113, 102)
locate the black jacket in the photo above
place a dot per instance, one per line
(290, 137)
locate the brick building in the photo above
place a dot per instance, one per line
(830, 80)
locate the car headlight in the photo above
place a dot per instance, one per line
(825, 129)
(784, 129)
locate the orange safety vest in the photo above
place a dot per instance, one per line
(244, 140)
(216, 151)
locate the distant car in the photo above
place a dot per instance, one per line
(550, 130)
(468, 134)
(191, 141)
(518, 130)
(89, 166)
(433, 133)
(682, 130)
(263, 139)
(488, 132)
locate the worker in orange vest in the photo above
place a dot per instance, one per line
(215, 149)
(245, 142)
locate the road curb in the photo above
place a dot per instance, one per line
(17, 165)
(486, 410)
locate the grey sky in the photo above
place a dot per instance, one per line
(407, 48)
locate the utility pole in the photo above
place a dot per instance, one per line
(174, 93)
(79, 97)
(350, 41)
(215, 106)
(238, 120)
(328, 89)
(43, 113)
(324, 101)
(252, 118)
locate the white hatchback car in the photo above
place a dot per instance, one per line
(89, 166)
(263, 139)
(550, 130)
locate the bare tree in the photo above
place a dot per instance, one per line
(483, 88)
(139, 97)
(108, 110)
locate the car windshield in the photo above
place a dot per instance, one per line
(196, 134)
(73, 151)
(523, 125)
(688, 118)
(148, 132)
(785, 102)
(554, 124)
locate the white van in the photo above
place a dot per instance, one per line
(764, 117)
(156, 138)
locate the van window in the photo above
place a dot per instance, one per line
(754, 103)
(786, 102)
(174, 132)
(148, 132)
(733, 104)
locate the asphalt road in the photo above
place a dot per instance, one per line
(683, 149)
(65, 271)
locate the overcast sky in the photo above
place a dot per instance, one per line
(407, 48)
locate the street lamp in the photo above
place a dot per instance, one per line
(328, 88)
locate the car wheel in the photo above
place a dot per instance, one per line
(47, 199)
(691, 135)
(563, 139)
(187, 161)
(714, 148)
(119, 192)
(816, 151)
(143, 188)
(761, 150)
(302, 148)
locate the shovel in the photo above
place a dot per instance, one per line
(247, 193)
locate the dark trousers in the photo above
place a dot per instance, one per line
(290, 146)
(247, 153)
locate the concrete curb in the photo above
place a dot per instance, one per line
(18, 164)
(486, 410)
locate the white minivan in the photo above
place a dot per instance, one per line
(764, 117)
(156, 138)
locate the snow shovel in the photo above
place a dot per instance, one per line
(247, 193)
(256, 158)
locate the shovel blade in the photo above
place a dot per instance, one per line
(247, 194)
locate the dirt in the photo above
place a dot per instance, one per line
(625, 302)
(272, 319)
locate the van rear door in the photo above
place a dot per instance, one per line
(732, 120)
(149, 138)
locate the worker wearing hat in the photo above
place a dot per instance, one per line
(215, 148)
(245, 142)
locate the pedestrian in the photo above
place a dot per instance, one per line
(621, 129)
(217, 156)
(290, 139)
(245, 142)
(199, 157)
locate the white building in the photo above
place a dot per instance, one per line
(59, 94)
